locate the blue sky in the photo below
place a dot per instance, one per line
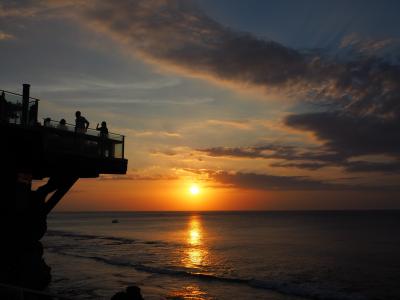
(308, 23)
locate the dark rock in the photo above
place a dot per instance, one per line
(132, 293)
(120, 296)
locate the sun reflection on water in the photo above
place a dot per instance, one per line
(192, 292)
(196, 254)
(194, 231)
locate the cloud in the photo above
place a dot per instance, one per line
(140, 177)
(315, 158)
(243, 125)
(302, 165)
(367, 166)
(177, 34)
(5, 36)
(349, 135)
(368, 46)
(271, 182)
(275, 151)
(285, 183)
(18, 9)
(157, 134)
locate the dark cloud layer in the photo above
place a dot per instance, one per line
(287, 183)
(351, 134)
(275, 151)
(272, 182)
(291, 156)
(318, 157)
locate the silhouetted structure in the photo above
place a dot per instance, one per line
(30, 151)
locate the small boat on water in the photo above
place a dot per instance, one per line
(115, 221)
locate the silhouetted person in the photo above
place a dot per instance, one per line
(103, 135)
(103, 129)
(62, 125)
(81, 124)
(47, 122)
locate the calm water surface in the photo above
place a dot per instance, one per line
(226, 255)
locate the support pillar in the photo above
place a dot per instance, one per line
(23, 215)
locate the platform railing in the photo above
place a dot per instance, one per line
(90, 131)
(90, 142)
(11, 108)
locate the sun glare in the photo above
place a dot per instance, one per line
(194, 189)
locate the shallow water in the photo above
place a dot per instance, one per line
(226, 255)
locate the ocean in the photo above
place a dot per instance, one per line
(226, 255)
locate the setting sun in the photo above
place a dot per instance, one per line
(194, 189)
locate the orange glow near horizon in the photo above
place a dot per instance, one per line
(174, 195)
(156, 195)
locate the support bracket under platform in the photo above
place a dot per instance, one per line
(61, 185)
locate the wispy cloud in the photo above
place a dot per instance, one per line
(231, 123)
(5, 36)
(139, 177)
(368, 46)
(157, 133)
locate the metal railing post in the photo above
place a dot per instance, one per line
(123, 146)
(25, 103)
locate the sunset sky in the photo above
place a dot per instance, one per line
(261, 104)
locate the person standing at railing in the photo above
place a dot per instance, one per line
(47, 122)
(104, 151)
(62, 125)
(81, 124)
(103, 129)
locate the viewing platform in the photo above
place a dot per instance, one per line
(49, 147)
